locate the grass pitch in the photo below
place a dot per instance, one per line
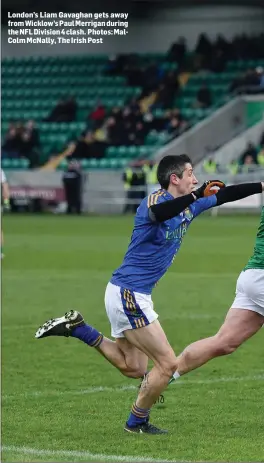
(61, 401)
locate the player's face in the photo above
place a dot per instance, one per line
(188, 182)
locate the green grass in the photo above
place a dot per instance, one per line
(48, 396)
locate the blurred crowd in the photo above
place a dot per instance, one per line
(160, 83)
(22, 140)
(125, 127)
(213, 55)
(210, 55)
(251, 159)
(252, 81)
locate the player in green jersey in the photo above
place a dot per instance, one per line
(256, 262)
(243, 320)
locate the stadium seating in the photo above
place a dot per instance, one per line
(32, 86)
(15, 163)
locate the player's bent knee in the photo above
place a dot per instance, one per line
(135, 372)
(140, 373)
(131, 374)
(168, 366)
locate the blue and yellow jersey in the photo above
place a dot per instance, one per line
(153, 245)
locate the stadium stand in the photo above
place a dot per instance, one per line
(122, 109)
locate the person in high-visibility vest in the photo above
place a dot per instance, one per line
(210, 166)
(152, 175)
(127, 179)
(134, 179)
(150, 170)
(140, 181)
(146, 168)
(260, 158)
(233, 167)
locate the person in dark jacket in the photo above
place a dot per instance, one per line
(72, 182)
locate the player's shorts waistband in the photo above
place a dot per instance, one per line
(135, 289)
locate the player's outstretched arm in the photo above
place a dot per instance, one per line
(173, 207)
(240, 191)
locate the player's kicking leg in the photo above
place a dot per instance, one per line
(139, 337)
(128, 359)
(243, 320)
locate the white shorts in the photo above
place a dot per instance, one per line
(250, 291)
(127, 310)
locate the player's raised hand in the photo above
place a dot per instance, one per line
(208, 188)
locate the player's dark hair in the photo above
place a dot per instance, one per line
(171, 165)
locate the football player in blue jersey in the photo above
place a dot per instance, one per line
(161, 222)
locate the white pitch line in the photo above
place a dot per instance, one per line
(120, 389)
(90, 390)
(81, 454)
(224, 379)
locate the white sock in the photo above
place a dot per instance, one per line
(176, 375)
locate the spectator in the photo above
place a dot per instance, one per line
(218, 61)
(260, 158)
(204, 98)
(150, 79)
(262, 140)
(170, 80)
(260, 73)
(204, 51)
(148, 120)
(233, 167)
(12, 142)
(173, 127)
(222, 44)
(134, 179)
(83, 146)
(33, 132)
(28, 149)
(140, 134)
(22, 141)
(164, 97)
(97, 115)
(251, 152)
(251, 78)
(72, 182)
(113, 131)
(250, 82)
(70, 109)
(64, 111)
(210, 166)
(177, 51)
(249, 164)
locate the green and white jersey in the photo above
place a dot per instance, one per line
(257, 260)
